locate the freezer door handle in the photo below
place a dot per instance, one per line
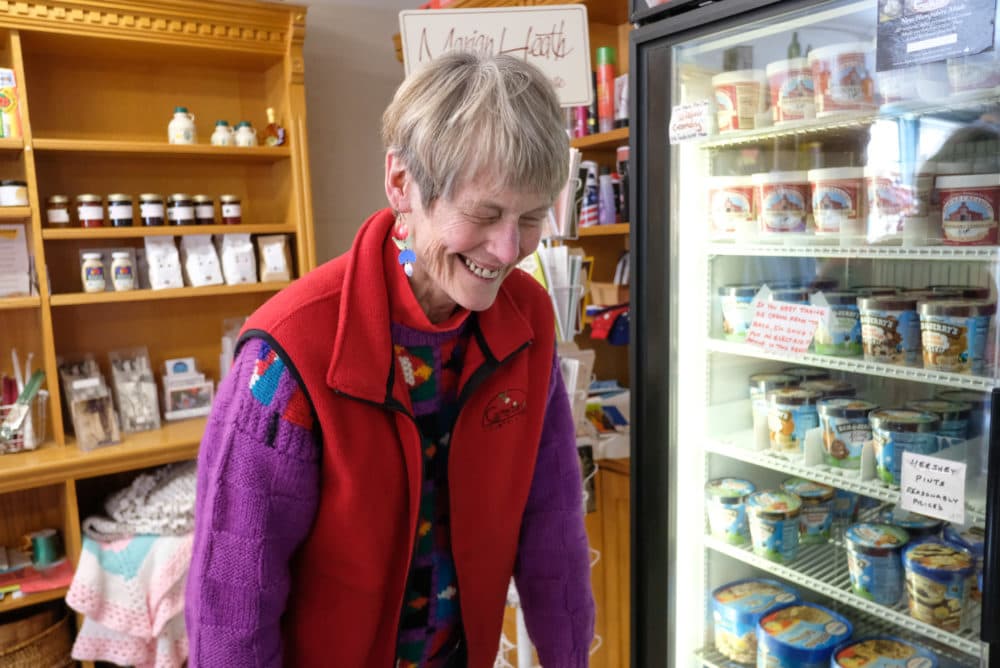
(990, 629)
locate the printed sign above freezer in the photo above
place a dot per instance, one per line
(913, 32)
(553, 38)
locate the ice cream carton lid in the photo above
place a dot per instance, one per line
(807, 489)
(946, 410)
(739, 290)
(774, 502)
(806, 372)
(730, 490)
(810, 631)
(797, 176)
(836, 173)
(900, 419)
(793, 396)
(845, 407)
(970, 538)
(829, 387)
(907, 520)
(874, 536)
(882, 652)
(931, 557)
(749, 599)
(968, 181)
(765, 382)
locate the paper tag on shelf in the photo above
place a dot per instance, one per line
(784, 327)
(933, 486)
(690, 121)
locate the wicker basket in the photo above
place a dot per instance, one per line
(43, 639)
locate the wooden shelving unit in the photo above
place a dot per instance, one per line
(97, 85)
(604, 230)
(602, 141)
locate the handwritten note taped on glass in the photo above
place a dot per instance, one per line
(784, 327)
(933, 486)
(554, 38)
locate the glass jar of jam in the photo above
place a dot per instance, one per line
(13, 192)
(232, 209)
(151, 209)
(90, 210)
(180, 209)
(204, 210)
(120, 210)
(57, 211)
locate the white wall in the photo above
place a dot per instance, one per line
(351, 74)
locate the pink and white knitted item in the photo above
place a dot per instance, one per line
(133, 592)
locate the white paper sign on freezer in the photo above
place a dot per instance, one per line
(784, 327)
(933, 486)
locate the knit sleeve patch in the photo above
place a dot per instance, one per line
(268, 372)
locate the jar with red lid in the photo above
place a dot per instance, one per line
(90, 210)
(232, 209)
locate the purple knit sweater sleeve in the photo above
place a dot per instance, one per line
(553, 559)
(258, 490)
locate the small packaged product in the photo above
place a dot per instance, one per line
(186, 391)
(201, 264)
(88, 401)
(275, 259)
(239, 264)
(134, 389)
(164, 263)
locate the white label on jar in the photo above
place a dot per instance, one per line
(58, 215)
(90, 212)
(181, 213)
(13, 196)
(120, 211)
(206, 211)
(151, 210)
(232, 210)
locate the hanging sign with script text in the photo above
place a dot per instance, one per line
(554, 38)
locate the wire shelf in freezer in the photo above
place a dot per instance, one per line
(739, 446)
(823, 569)
(947, 253)
(962, 107)
(858, 365)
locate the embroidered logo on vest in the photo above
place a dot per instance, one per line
(503, 408)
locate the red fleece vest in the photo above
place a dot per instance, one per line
(348, 577)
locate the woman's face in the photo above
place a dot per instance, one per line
(466, 246)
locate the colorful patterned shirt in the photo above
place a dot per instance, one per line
(430, 623)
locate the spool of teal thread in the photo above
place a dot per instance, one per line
(46, 548)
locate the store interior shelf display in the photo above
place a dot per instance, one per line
(856, 365)
(947, 253)
(740, 446)
(823, 569)
(114, 257)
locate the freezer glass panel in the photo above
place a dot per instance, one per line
(833, 308)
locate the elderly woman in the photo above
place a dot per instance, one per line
(394, 441)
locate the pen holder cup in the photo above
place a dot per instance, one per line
(569, 309)
(36, 422)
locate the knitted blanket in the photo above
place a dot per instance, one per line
(160, 502)
(132, 594)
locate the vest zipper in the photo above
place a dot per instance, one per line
(390, 405)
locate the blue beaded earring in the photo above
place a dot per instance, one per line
(401, 237)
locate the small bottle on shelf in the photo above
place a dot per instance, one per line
(605, 89)
(274, 134)
(794, 48)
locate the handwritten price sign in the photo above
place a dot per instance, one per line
(933, 486)
(554, 38)
(783, 327)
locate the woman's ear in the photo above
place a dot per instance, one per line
(397, 183)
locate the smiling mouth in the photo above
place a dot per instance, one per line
(480, 271)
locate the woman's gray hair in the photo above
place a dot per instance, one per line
(464, 115)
